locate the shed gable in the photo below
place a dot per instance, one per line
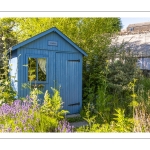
(41, 41)
(53, 42)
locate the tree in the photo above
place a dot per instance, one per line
(6, 32)
(7, 39)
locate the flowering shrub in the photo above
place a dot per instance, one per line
(23, 116)
(64, 126)
(29, 116)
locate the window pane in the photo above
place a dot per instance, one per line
(31, 69)
(41, 69)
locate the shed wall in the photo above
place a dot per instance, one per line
(64, 67)
(14, 71)
(23, 73)
(63, 70)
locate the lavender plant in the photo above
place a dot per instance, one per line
(64, 126)
(15, 117)
(22, 116)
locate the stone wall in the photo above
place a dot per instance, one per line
(139, 27)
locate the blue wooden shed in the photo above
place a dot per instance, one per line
(49, 59)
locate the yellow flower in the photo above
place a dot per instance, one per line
(6, 83)
(134, 95)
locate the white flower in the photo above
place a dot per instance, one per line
(3, 38)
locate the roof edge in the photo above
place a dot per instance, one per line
(53, 29)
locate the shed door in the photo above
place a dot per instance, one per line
(68, 76)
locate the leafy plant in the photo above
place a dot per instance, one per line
(134, 102)
(88, 116)
(52, 106)
(121, 73)
(74, 119)
(120, 124)
(7, 93)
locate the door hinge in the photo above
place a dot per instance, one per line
(74, 104)
(75, 60)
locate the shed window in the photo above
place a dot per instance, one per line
(36, 69)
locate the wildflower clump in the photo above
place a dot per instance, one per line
(17, 117)
(23, 116)
(64, 126)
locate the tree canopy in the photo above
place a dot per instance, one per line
(80, 30)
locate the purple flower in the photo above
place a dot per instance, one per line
(19, 112)
(64, 126)
(9, 130)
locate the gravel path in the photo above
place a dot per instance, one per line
(79, 124)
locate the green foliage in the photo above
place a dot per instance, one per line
(53, 105)
(104, 105)
(7, 33)
(74, 119)
(103, 102)
(80, 30)
(7, 39)
(90, 118)
(93, 128)
(121, 124)
(34, 96)
(7, 93)
(24, 120)
(95, 65)
(121, 72)
(46, 123)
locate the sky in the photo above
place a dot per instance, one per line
(126, 21)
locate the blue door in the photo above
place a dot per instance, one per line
(68, 77)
